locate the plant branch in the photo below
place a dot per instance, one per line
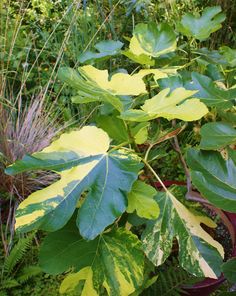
(176, 147)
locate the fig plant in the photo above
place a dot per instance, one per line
(102, 167)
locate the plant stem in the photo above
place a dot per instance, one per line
(176, 147)
(119, 146)
(154, 174)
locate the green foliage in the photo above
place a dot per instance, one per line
(176, 221)
(216, 135)
(171, 280)
(213, 176)
(201, 27)
(229, 270)
(115, 260)
(10, 276)
(103, 221)
(105, 49)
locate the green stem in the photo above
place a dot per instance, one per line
(119, 146)
(155, 174)
(147, 152)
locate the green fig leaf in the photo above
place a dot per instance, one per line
(105, 49)
(229, 270)
(214, 177)
(210, 93)
(140, 199)
(216, 135)
(152, 40)
(201, 27)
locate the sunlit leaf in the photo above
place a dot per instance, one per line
(72, 281)
(140, 199)
(199, 253)
(169, 105)
(83, 163)
(119, 84)
(153, 40)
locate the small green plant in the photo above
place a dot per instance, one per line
(12, 274)
(105, 220)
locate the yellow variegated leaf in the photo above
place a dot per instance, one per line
(114, 260)
(71, 282)
(170, 106)
(199, 253)
(82, 161)
(119, 84)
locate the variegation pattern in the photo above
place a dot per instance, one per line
(87, 166)
(114, 260)
(170, 105)
(199, 253)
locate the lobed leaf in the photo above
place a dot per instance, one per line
(199, 253)
(114, 260)
(95, 171)
(214, 177)
(201, 27)
(216, 135)
(170, 106)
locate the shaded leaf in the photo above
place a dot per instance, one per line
(199, 253)
(105, 49)
(201, 27)
(216, 135)
(94, 170)
(214, 177)
(169, 105)
(229, 54)
(140, 199)
(209, 93)
(114, 126)
(229, 270)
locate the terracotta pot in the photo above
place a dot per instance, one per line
(207, 286)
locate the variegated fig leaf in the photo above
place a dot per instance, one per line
(72, 283)
(114, 260)
(214, 176)
(169, 105)
(152, 40)
(199, 253)
(119, 84)
(141, 200)
(88, 91)
(82, 160)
